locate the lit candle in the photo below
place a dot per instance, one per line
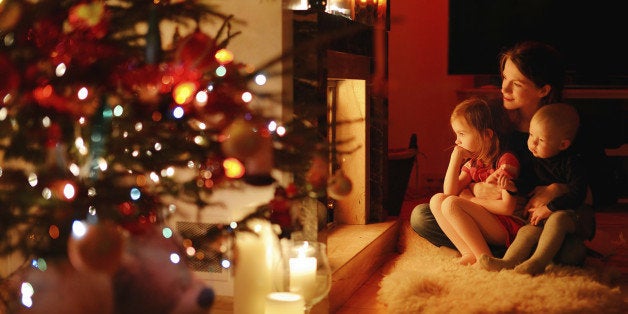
(303, 272)
(284, 303)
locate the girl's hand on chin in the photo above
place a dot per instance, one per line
(465, 154)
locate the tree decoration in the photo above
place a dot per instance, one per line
(339, 185)
(100, 121)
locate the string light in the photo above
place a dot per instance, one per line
(82, 93)
(60, 69)
(233, 168)
(260, 79)
(224, 56)
(221, 71)
(184, 92)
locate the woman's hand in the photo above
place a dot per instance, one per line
(542, 195)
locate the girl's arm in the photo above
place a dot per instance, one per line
(502, 177)
(456, 180)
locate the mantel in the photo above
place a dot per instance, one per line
(569, 93)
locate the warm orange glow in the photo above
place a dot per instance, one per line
(156, 116)
(43, 92)
(233, 168)
(224, 56)
(53, 231)
(125, 208)
(140, 180)
(184, 92)
(167, 79)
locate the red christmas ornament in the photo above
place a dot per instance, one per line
(196, 51)
(339, 185)
(95, 247)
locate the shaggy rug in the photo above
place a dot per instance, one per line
(427, 279)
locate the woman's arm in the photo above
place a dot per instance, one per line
(504, 206)
(541, 195)
(506, 203)
(487, 191)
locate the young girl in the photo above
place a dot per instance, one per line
(475, 157)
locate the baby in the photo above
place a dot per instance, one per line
(552, 131)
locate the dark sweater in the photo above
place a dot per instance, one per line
(566, 168)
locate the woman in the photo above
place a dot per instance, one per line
(533, 75)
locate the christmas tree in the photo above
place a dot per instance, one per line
(101, 122)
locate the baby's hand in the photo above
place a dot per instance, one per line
(505, 183)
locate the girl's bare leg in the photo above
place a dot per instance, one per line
(474, 226)
(437, 203)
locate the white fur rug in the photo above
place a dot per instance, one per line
(426, 279)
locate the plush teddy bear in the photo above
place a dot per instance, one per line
(152, 277)
(155, 278)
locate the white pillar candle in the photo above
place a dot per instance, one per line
(303, 273)
(252, 278)
(284, 303)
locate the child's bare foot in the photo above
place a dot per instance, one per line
(467, 259)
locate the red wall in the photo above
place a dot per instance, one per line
(421, 94)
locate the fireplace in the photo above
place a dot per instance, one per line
(332, 66)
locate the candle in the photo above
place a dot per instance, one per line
(303, 272)
(284, 303)
(252, 274)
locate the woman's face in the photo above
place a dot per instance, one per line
(518, 91)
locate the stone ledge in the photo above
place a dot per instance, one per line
(355, 253)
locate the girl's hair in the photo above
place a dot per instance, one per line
(483, 116)
(540, 63)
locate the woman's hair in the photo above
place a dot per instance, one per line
(484, 116)
(540, 63)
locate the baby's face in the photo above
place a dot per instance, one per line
(541, 142)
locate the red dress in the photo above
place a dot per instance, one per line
(480, 172)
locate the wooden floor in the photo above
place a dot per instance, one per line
(612, 227)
